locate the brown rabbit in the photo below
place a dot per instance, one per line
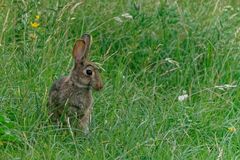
(71, 97)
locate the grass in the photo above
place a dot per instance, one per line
(166, 49)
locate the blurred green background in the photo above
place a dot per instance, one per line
(151, 54)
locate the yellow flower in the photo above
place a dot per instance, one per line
(37, 17)
(35, 24)
(232, 129)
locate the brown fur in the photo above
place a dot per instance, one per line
(71, 97)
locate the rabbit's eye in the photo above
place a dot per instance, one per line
(89, 72)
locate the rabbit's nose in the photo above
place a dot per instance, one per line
(99, 86)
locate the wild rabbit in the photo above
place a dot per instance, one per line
(70, 98)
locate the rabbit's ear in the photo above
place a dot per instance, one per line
(87, 40)
(81, 48)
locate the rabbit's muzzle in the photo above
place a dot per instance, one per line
(97, 85)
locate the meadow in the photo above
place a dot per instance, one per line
(170, 68)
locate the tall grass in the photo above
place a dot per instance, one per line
(166, 49)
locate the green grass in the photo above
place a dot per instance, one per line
(167, 48)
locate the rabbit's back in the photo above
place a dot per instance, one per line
(55, 91)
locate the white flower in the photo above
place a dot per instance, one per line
(182, 97)
(127, 15)
(118, 19)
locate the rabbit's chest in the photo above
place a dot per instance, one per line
(77, 101)
(77, 105)
(80, 102)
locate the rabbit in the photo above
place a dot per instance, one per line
(70, 97)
